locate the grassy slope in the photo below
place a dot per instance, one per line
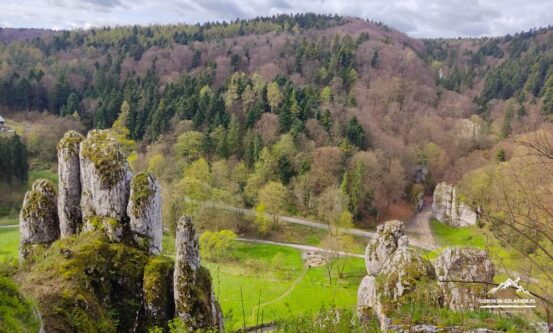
(478, 238)
(253, 271)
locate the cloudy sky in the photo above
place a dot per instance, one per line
(420, 18)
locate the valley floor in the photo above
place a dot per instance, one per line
(260, 281)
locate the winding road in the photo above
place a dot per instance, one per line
(420, 220)
(418, 228)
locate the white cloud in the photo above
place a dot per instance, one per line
(420, 18)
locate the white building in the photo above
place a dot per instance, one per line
(2, 123)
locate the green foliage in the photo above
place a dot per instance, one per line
(17, 314)
(355, 133)
(548, 96)
(189, 145)
(500, 155)
(507, 119)
(261, 220)
(215, 245)
(273, 196)
(13, 159)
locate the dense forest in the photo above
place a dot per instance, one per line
(274, 97)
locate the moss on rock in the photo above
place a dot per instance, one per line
(142, 191)
(70, 142)
(40, 200)
(158, 291)
(105, 152)
(86, 283)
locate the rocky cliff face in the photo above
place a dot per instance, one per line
(398, 276)
(109, 263)
(447, 208)
(197, 307)
(38, 219)
(144, 211)
(69, 187)
(394, 274)
(105, 180)
(457, 269)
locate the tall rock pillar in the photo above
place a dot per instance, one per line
(195, 301)
(144, 211)
(105, 180)
(69, 187)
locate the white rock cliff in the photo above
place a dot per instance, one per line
(447, 207)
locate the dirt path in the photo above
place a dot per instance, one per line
(418, 227)
(304, 248)
(295, 220)
(283, 295)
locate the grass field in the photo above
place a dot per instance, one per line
(261, 282)
(43, 173)
(479, 238)
(9, 243)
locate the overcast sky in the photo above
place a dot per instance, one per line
(419, 18)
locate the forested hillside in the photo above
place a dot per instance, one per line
(370, 102)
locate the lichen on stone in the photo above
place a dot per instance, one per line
(40, 200)
(141, 190)
(38, 219)
(111, 226)
(70, 142)
(105, 152)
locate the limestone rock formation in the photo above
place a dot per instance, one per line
(447, 208)
(383, 246)
(144, 211)
(110, 264)
(464, 265)
(69, 187)
(195, 301)
(395, 272)
(105, 181)
(366, 298)
(403, 271)
(38, 219)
